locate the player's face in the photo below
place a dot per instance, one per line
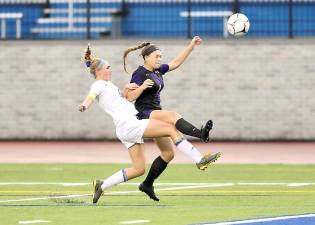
(154, 59)
(106, 72)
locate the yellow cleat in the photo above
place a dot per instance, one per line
(207, 159)
(97, 184)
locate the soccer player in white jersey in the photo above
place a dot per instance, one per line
(129, 129)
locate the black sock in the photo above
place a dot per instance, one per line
(187, 128)
(157, 167)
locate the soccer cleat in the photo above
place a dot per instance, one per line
(205, 131)
(207, 159)
(97, 184)
(149, 190)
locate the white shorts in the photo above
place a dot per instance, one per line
(131, 131)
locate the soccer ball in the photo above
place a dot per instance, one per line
(238, 25)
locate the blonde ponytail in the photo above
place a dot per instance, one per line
(90, 61)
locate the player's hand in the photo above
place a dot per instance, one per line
(196, 40)
(82, 108)
(148, 83)
(131, 86)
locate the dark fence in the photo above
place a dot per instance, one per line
(93, 19)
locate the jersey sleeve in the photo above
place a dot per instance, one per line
(164, 68)
(137, 78)
(96, 89)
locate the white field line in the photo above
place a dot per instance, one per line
(44, 183)
(298, 184)
(262, 220)
(33, 221)
(293, 184)
(107, 193)
(165, 189)
(135, 221)
(182, 187)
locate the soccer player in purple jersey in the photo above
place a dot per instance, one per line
(148, 84)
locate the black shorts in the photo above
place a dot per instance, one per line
(145, 114)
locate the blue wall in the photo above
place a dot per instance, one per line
(267, 19)
(164, 20)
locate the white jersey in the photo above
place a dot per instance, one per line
(111, 101)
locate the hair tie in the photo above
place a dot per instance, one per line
(88, 63)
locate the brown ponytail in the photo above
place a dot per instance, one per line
(130, 50)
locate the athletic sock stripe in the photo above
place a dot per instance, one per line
(125, 175)
(179, 141)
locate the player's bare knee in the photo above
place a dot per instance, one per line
(168, 156)
(140, 171)
(171, 130)
(176, 116)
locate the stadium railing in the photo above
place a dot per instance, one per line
(85, 19)
(7, 16)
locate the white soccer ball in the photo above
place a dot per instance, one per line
(238, 25)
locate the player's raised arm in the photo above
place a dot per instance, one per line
(94, 65)
(127, 88)
(87, 102)
(177, 61)
(133, 93)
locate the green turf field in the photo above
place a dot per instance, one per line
(222, 193)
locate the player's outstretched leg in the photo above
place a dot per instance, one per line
(207, 159)
(183, 125)
(136, 152)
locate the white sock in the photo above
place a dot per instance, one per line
(115, 179)
(186, 147)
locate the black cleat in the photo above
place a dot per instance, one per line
(149, 191)
(97, 184)
(205, 131)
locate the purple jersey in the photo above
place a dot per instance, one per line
(149, 100)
